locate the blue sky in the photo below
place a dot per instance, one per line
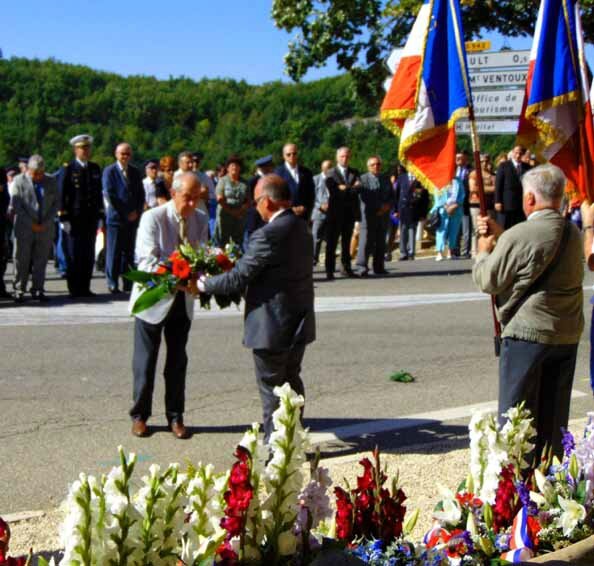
(196, 38)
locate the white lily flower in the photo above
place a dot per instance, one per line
(572, 514)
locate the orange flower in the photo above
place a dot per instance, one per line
(180, 268)
(175, 255)
(161, 270)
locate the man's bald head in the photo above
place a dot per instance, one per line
(271, 195)
(123, 153)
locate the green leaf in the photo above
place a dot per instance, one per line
(139, 276)
(149, 298)
(402, 377)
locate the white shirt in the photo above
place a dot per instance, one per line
(343, 171)
(294, 172)
(150, 192)
(83, 164)
(157, 239)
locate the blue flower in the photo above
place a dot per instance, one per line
(568, 442)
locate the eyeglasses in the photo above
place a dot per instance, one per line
(125, 153)
(291, 153)
(374, 164)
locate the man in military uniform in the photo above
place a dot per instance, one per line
(81, 207)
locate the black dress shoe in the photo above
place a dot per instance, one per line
(363, 273)
(88, 293)
(40, 296)
(114, 290)
(403, 258)
(381, 272)
(330, 276)
(19, 298)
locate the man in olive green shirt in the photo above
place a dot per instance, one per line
(535, 270)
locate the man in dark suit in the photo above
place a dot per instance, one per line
(407, 214)
(124, 194)
(343, 210)
(508, 189)
(264, 166)
(300, 181)
(277, 274)
(463, 170)
(80, 208)
(376, 200)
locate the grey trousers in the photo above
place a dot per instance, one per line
(541, 375)
(32, 253)
(147, 339)
(277, 367)
(319, 234)
(408, 235)
(372, 242)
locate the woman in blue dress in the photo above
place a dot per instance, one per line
(448, 202)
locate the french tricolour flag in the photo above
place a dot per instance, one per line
(428, 94)
(557, 115)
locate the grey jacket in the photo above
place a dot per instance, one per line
(25, 207)
(321, 197)
(276, 273)
(553, 311)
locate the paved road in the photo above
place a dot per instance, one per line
(65, 378)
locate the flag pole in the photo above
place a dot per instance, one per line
(476, 151)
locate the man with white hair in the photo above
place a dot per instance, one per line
(34, 204)
(160, 232)
(535, 269)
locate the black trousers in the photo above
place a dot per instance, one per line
(119, 256)
(277, 367)
(147, 339)
(79, 247)
(541, 375)
(339, 227)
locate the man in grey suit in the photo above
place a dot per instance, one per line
(276, 273)
(320, 209)
(34, 204)
(375, 196)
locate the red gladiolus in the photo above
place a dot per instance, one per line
(161, 270)
(369, 511)
(175, 255)
(238, 498)
(227, 556)
(180, 268)
(224, 262)
(506, 502)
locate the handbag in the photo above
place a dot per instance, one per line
(433, 221)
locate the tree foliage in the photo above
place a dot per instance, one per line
(360, 34)
(44, 103)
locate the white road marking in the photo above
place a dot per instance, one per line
(117, 311)
(408, 421)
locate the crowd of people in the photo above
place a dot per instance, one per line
(61, 213)
(527, 248)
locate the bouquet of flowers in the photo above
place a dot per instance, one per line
(183, 268)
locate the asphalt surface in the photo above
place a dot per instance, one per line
(66, 384)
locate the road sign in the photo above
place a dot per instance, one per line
(480, 45)
(498, 59)
(497, 103)
(488, 126)
(504, 78)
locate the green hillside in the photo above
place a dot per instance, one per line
(44, 103)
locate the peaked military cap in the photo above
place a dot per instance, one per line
(267, 160)
(81, 140)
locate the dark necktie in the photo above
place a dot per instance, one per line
(39, 195)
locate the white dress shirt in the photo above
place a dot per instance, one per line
(157, 239)
(150, 192)
(293, 171)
